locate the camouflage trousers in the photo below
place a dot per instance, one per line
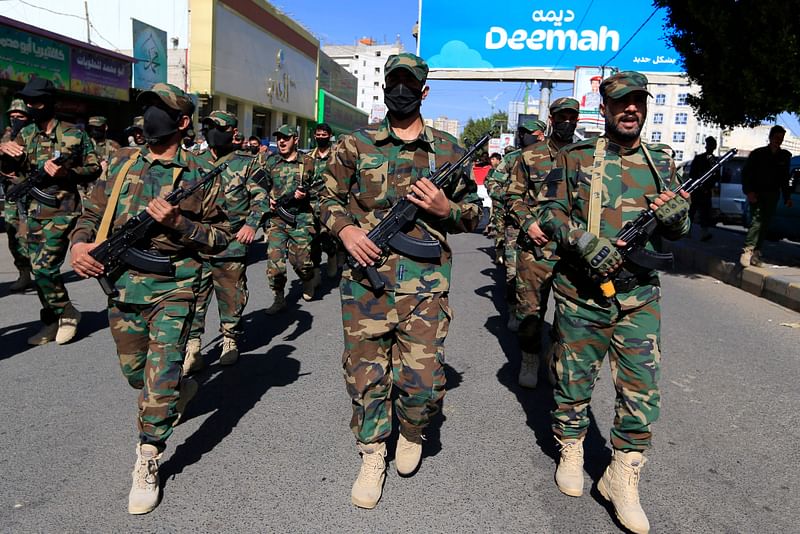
(16, 230)
(392, 341)
(48, 241)
(151, 343)
(283, 240)
(228, 278)
(533, 284)
(510, 253)
(498, 220)
(631, 338)
(323, 242)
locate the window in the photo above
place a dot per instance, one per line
(682, 98)
(377, 53)
(658, 118)
(377, 70)
(697, 137)
(363, 77)
(679, 155)
(661, 99)
(681, 118)
(678, 137)
(655, 137)
(377, 84)
(375, 98)
(355, 71)
(365, 63)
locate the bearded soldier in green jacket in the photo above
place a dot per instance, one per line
(598, 185)
(151, 314)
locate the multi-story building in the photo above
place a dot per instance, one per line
(748, 139)
(451, 126)
(365, 60)
(515, 109)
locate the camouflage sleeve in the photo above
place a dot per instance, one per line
(259, 198)
(95, 204)
(555, 203)
(466, 206)
(682, 227)
(335, 189)
(212, 233)
(494, 183)
(89, 169)
(516, 189)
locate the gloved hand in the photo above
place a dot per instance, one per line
(670, 209)
(601, 255)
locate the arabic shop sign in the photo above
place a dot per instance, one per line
(98, 75)
(24, 55)
(557, 34)
(150, 51)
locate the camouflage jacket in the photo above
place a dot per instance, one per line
(369, 171)
(244, 197)
(628, 183)
(105, 148)
(497, 180)
(83, 165)
(320, 163)
(206, 227)
(282, 178)
(526, 180)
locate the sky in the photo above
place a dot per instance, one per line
(340, 22)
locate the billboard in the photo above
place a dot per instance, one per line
(587, 93)
(341, 116)
(150, 51)
(99, 75)
(24, 55)
(554, 35)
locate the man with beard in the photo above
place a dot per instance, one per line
(226, 272)
(151, 313)
(598, 185)
(15, 229)
(323, 241)
(289, 178)
(39, 145)
(394, 338)
(534, 274)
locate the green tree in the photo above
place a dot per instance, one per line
(745, 56)
(476, 128)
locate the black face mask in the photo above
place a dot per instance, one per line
(402, 101)
(159, 125)
(17, 125)
(42, 114)
(563, 131)
(323, 142)
(220, 140)
(529, 139)
(254, 149)
(96, 133)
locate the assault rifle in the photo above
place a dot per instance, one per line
(283, 204)
(120, 249)
(636, 233)
(389, 233)
(31, 186)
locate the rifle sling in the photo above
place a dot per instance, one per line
(596, 188)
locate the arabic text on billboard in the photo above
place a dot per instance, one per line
(556, 34)
(23, 55)
(99, 75)
(150, 51)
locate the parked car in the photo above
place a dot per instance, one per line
(728, 202)
(786, 221)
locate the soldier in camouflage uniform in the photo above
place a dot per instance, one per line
(395, 338)
(618, 176)
(134, 132)
(290, 175)
(323, 241)
(529, 133)
(151, 315)
(40, 144)
(246, 202)
(533, 277)
(16, 229)
(97, 129)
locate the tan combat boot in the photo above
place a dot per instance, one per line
(188, 389)
(310, 286)
(409, 450)
(368, 486)
(145, 489)
(193, 362)
(278, 302)
(569, 473)
(529, 370)
(45, 335)
(746, 257)
(230, 351)
(620, 485)
(68, 324)
(23, 282)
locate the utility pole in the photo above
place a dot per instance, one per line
(88, 24)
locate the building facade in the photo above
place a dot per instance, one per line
(451, 126)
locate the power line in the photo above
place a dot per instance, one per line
(580, 24)
(603, 66)
(51, 11)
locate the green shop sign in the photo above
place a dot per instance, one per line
(23, 55)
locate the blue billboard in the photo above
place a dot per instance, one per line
(548, 34)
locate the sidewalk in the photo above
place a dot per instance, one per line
(778, 280)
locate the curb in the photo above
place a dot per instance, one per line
(755, 280)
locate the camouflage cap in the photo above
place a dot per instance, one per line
(286, 130)
(18, 105)
(622, 83)
(414, 64)
(564, 103)
(532, 125)
(221, 118)
(97, 121)
(138, 122)
(172, 96)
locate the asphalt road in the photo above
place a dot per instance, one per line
(266, 445)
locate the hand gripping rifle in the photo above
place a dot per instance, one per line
(31, 186)
(389, 233)
(283, 204)
(120, 249)
(636, 233)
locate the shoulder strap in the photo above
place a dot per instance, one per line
(659, 181)
(596, 190)
(113, 200)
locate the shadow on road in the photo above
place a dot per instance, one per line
(14, 338)
(230, 395)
